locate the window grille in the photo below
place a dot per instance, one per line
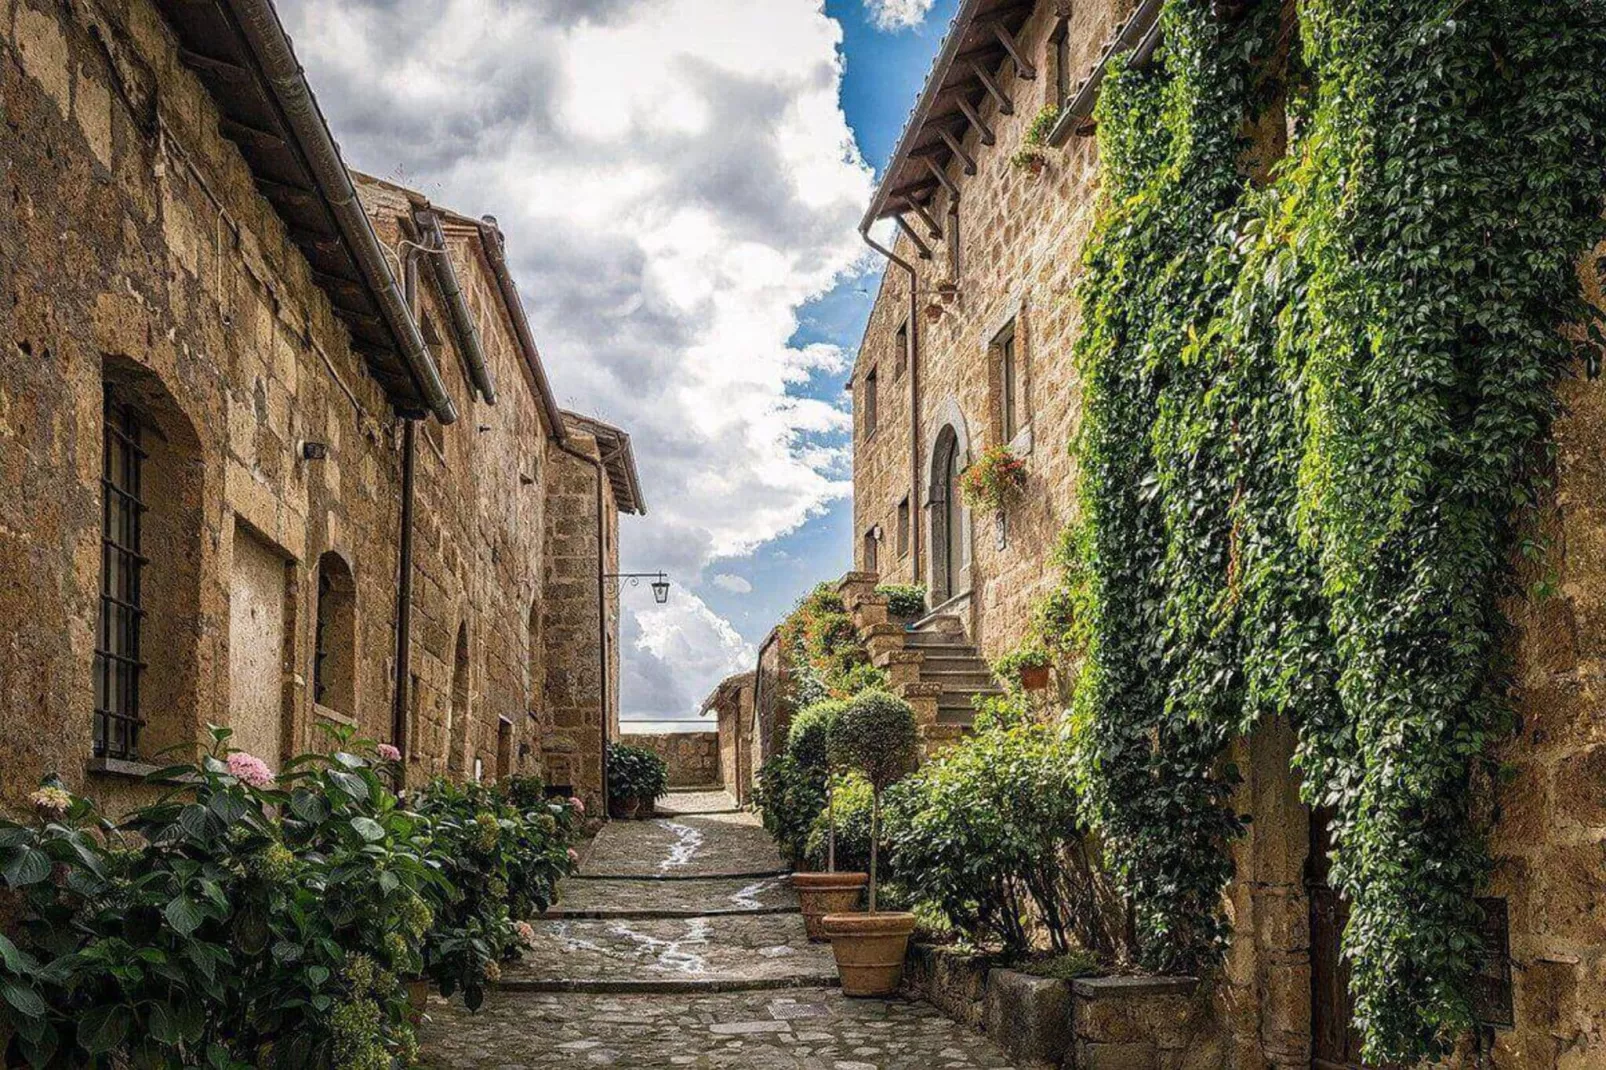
(320, 642)
(118, 665)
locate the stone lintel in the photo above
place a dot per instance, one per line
(1133, 987)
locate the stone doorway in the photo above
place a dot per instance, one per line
(1335, 1043)
(947, 519)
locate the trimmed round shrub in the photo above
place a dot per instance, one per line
(876, 734)
(807, 740)
(635, 772)
(789, 798)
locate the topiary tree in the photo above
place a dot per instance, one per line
(808, 742)
(875, 733)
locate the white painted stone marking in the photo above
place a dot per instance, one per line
(690, 841)
(747, 898)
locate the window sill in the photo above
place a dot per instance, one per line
(120, 767)
(334, 715)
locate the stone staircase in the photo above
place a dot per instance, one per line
(932, 664)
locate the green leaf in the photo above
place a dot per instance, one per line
(368, 829)
(24, 999)
(183, 914)
(28, 866)
(164, 1024)
(102, 1029)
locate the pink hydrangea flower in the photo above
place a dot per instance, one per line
(249, 769)
(387, 753)
(51, 802)
(579, 807)
(574, 857)
(526, 933)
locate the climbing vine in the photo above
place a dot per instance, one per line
(1313, 420)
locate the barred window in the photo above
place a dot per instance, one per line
(118, 664)
(335, 638)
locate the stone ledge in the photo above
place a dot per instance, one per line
(1133, 987)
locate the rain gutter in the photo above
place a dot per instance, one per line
(463, 325)
(492, 242)
(914, 397)
(265, 37)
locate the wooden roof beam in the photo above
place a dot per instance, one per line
(910, 190)
(909, 232)
(957, 149)
(983, 131)
(1005, 105)
(1023, 66)
(932, 227)
(941, 175)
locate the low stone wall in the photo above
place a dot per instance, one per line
(1098, 1023)
(692, 757)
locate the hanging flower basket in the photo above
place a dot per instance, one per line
(995, 481)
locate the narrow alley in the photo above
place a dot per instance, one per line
(679, 944)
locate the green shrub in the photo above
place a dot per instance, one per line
(851, 802)
(789, 797)
(1008, 667)
(904, 599)
(989, 832)
(876, 735)
(635, 772)
(807, 738)
(245, 919)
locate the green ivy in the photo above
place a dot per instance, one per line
(1315, 416)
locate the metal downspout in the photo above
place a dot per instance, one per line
(914, 397)
(404, 577)
(602, 613)
(468, 332)
(271, 48)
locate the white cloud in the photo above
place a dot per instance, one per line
(898, 14)
(725, 581)
(684, 649)
(675, 179)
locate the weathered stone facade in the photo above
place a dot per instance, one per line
(149, 282)
(692, 757)
(1020, 241)
(732, 704)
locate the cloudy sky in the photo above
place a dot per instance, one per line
(680, 183)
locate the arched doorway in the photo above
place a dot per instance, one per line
(947, 518)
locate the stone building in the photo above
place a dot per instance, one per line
(969, 345)
(592, 475)
(279, 456)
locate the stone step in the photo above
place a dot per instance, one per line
(937, 640)
(956, 662)
(959, 680)
(704, 897)
(704, 953)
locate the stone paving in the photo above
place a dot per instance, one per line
(664, 960)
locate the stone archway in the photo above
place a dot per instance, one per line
(948, 559)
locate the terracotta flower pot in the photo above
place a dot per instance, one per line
(869, 950)
(624, 808)
(1034, 677)
(820, 894)
(1036, 165)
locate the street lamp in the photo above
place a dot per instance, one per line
(660, 584)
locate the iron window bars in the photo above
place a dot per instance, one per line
(118, 665)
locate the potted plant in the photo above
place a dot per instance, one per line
(994, 481)
(637, 778)
(829, 892)
(905, 601)
(874, 733)
(1027, 667)
(1031, 156)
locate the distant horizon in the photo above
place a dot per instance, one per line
(679, 725)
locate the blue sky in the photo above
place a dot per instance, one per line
(884, 71)
(680, 184)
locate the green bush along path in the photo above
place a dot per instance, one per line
(678, 943)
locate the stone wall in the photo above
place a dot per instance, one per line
(150, 262)
(576, 686)
(692, 757)
(1020, 239)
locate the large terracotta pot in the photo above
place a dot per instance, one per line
(869, 950)
(1034, 677)
(820, 894)
(624, 808)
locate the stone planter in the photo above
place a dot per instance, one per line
(1029, 1017)
(627, 808)
(819, 894)
(869, 950)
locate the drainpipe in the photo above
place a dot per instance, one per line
(265, 37)
(914, 396)
(404, 576)
(602, 613)
(468, 333)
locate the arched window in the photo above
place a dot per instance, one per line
(334, 661)
(146, 697)
(457, 724)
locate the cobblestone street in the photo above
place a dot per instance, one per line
(679, 944)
